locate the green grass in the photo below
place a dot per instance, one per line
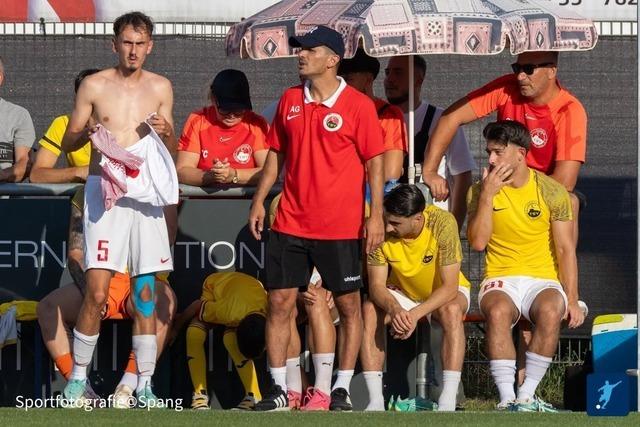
(110, 417)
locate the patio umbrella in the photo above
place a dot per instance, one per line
(405, 27)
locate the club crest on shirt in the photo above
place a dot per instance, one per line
(332, 122)
(532, 209)
(205, 154)
(539, 137)
(428, 257)
(243, 153)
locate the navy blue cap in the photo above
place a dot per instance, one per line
(320, 36)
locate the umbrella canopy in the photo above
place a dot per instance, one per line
(396, 27)
(405, 27)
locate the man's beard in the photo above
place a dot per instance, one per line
(398, 99)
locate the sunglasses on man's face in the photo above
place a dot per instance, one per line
(528, 69)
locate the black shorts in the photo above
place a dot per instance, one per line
(290, 261)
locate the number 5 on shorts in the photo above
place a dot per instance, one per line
(103, 250)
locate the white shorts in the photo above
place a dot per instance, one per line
(522, 290)
(408, 304)
(130, 237)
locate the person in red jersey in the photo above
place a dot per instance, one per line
(533, 96)
(224, 143)
(325, 134)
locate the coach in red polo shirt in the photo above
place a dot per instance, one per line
(324, 134)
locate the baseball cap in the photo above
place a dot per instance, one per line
(361, 62)
(231, 90)
(320, 36)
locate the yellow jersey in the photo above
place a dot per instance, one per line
(52, 141)
(227, 298)
(522, 242)
(415, 263)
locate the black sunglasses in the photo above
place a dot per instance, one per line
(528, 69)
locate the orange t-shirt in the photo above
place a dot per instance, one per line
(558, 129)
(204, 135)
(391, 120)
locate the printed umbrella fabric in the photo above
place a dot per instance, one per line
(395, 27)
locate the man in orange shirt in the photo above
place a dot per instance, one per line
(533, 96)
(360, 72)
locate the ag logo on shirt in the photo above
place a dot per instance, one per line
(532, 209)
(332, 122)
(428, 257)
(243, 154)
(539, 137)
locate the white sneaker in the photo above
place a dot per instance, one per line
(123, 397)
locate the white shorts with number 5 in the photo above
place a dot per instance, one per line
(130, 237)
(522, 290)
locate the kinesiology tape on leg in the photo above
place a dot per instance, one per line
(144, 306)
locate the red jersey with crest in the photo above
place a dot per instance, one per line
(558, 129)
(326, 146)
(205, 135)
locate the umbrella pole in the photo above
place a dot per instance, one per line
(638, 256)
(411, 173)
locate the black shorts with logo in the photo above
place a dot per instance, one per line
(290, 261)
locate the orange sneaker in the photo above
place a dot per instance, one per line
(315, 400)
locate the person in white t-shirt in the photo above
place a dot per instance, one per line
(458, 161)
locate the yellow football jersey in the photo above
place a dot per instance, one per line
(227, 298)
(415, 263)
(522, 243)
(52, 141)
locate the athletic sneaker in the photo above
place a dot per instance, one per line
(74, 393)
(146, 399)
(340, 400)
(414, 404)
(123, 397)
(295, 400)
(274, 400)
(504, 406)
(532, 405)
(315, 400)
(89, 394)
(200, 400)
(246, 404)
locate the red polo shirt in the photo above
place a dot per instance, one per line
(326, 147)
(558, 129)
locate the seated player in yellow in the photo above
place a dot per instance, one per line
(239, 302)
(522, 219)
(413, 274)
(44, 168)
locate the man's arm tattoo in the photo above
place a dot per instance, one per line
(76, 242)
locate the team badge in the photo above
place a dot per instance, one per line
(539, 137)
(532, 209)
(243, 154)
(205, 154)
(332, 122)
(428, 257)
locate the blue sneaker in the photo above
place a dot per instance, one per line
(532, 405)
(414, 404)
(148, 400)
(75, 393)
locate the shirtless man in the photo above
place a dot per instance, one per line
(127, 111)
